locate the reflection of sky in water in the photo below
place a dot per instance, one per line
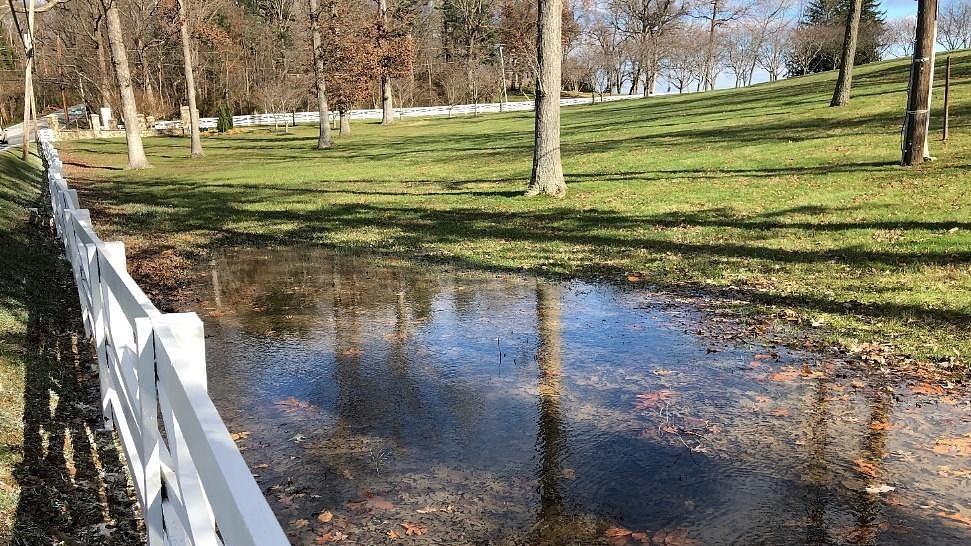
(410, 399)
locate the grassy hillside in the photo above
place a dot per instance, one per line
(60, 474)
(18, 189)
(767, 192)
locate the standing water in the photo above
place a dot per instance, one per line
(394, 403)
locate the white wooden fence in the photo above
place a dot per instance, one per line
(296, 118)
(193, 486)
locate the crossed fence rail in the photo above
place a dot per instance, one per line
(192, 483)
(297, 118)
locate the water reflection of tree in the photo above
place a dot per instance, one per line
(817, 472)
(554, 525)
(550, 425)
(873, 450)
(347, 328)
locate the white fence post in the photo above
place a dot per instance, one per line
(148, 413)
(194, 487)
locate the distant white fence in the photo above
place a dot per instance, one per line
(193, 486)
(297, 118)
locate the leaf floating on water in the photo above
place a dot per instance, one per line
(379, 503)
(784, 375)
(615, 532)
(293, 405)
(866, 467)
(325, 516)
(928, 389)
(414, 529)
(568, 473)
(960, 517)
(617, 536)
(879, 489)
(654, 399)
(677, 537)
(330, 536)
(954, 446)
(241, 435)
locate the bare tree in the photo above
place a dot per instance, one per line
(899, 37)
(954, 25)
(682, 64)
(841, 95)
(716, 14)
(644, 25)
(763, 21)
(195, 147)
(806, 42)
(547, 175)
(772, 55)
(129, 109)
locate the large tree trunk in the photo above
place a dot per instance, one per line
(129, 110)
(105, 82)
(345, 124)
(841, 95)
(323, 132)
(195, 149)
(547, 176)
(387, 113)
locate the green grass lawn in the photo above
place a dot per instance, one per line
(19, 188)
(60, 473)
(765, 192)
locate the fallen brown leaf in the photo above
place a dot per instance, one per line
(325, 516)
(959, 517)
(866, 467)
(927, 388)
(784, 375)
(414, 529)
(379, 503)
(654, 399)
(614, 532)
(954, 446)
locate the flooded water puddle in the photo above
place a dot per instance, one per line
(391, 403)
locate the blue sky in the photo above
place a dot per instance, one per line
(897, 8)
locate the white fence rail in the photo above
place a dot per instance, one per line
(193, 486)
(296, 118)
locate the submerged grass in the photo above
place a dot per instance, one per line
(766, 192)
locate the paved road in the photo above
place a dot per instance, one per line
(14, 137)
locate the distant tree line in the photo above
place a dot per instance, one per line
(257, 55)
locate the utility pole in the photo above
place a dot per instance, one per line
(29, 114)
(918, 97)
(947, 98)
(502, 79)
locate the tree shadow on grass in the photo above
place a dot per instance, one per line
(74, 488)
(608, 234)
